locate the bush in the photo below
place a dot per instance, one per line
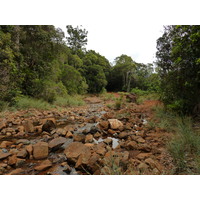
(3, 105)
(27, 102)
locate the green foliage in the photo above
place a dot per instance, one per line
(77, 38)
(24, 102)
(73, 81)
(178, 66)
(67, 101)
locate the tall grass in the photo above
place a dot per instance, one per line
(68, 101)
(184, 146)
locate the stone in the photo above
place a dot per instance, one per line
(74, 150)
(83, 159)
(61, 131)
(2, 125)
(44, 165)
(56, 143)
(28, 126)
(89, 145)
(18, 171)
(143, 156)
(48, 126)
(89, 138)
(22, 154)
(115, 123)
(6, 144)
(104, 125)
(100, 149)
(140, 140)
(112, 132)
(23, 141)
(12, 160)
(108, 141)
(142, 167)
(131, 145)
(29, 149)
(20, 162)
(123, 135)
(4, 155)
(40, 150)
(153, 164)
(79, 137)
(97, 135)
(69, 134)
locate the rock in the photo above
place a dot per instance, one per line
(40, 150)
(44, 165)
(2, 125)
(142, 167)
(153, 164)
(93, 162)
(143, 156)
(28, 126)
(140, 140)
(112, 132)
(79, 137)
(23, 141)
(115, 123)
(48, 126)
(56, 143)
(89, 138)
(18, 171)
(100, 149)
(67, 143)
(131, 97)
(89, 145)
(29, 149)
(4, 155)
(38, 129)
(22, 154)
(83, 159)
(6, 144)
(123, 135)
(97, 135)
(69, 134)
(74, 150)
(108, 141)
(131, 145)
(20, 162)
(104, 125)
(61, 131)
(12, 160)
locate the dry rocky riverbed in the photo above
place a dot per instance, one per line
(92, 139)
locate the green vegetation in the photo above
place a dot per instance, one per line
(185, 143)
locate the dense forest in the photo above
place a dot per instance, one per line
(36, 61)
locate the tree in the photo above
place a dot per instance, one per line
(77, 38)
(179, 67)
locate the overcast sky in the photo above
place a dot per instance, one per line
(137, 41)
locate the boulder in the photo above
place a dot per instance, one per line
(104, 125)
(79, 137)
(12, 160)
(40, 150)
(74, 150)
(56, 143)
(48, 126)
(115, 123)
(22, 154)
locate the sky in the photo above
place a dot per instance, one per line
(111, 41)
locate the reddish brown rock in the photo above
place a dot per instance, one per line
(143, 156)
(48, 126)
(123, 135)
(131, 145)
(40, 150)
(83, 159)
(57, 142)
(115, 123)
(18, 171)
(104, 125)
(6, 144)
(154, 164)
(12, 160)
(4, 155)
(79, 138)
(29, 149)
(110, 131)
(22, 154)
(89, 138)
(2, 125)
(69, 134)
(44, 165)
(100, 149)
(28, 126)
(74, 150)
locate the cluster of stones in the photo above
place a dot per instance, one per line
(45, 144)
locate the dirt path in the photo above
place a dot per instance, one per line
(92, 139)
